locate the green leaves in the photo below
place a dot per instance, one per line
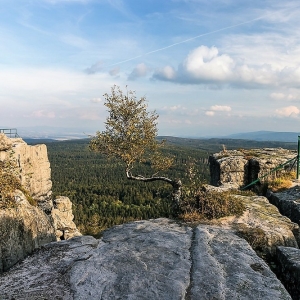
(130, 131)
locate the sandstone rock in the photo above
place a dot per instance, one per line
(263, 225)
(44, 275)
(245, 166)
(289, 269)
(288, 202)
(23, 228)
(156, 259)
(5, 142)
(33, 167)
(63, 219)
(226, 267)
(227, 169)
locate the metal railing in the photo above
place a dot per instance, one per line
(10, 132)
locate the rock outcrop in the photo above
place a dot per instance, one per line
(63, 219)
(261, 224)
(23, 228)
(289, 269)
(155, 259)
(288, 202)
(32, 166)
(244, 166)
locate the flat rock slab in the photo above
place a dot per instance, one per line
(226, 267)
(44, 275)
(156, 259)
(289, 269)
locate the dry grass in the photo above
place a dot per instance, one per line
(208, 205)
(281, 183)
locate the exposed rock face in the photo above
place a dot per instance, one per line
(289, 269)
(23, 228)
(63, 219)
(261, 223)
(288, 202)
(5, 142)
(224, 169)
(155, 259)
(244, 166)
(33, 168)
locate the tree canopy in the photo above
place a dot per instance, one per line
(130, 135)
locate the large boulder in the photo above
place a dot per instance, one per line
(23, 228)
(33, 168)
(63, 219)
(227, 167)
(242, 167)
(156, 259)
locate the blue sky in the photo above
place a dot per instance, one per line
(208, 67)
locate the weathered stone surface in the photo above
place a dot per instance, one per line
(226, 267)
(262, 217)
(23, 228)
(244, 166)
(155, 259)
(63, 219)
(141, 260)
(288, 202)
(33, 168)
(44, 275)
(5, 142)
(289, 269)
(224, 169)
(267, 159)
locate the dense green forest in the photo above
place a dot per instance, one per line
(102, 196)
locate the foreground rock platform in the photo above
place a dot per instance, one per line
(289, 269)
(156, 259)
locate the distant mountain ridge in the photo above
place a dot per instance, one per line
(266, 136)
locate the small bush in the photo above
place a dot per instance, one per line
(208, 205)
(281, 183)
(8, 184)
(256, 238)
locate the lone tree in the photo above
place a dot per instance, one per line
(130, 135)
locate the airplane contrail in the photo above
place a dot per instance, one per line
(184, 41)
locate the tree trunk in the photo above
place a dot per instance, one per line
(176, 184)
(176, 195)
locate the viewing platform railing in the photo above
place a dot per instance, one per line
(10, 132)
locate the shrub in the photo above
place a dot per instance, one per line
(208, 205)
(8, 184)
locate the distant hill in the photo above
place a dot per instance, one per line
(266, 136)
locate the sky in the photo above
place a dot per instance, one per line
(207, 67)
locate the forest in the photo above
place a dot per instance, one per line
(102, 196)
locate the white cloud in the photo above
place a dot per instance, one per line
(206, 65)
(96, 100)
(166, 73)
(114, 71)
(95, 68)
(42, 114)
(140, 70)
(220, 108)
(289, 111)
(210, 113)
(282, 96)
(278, 96)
